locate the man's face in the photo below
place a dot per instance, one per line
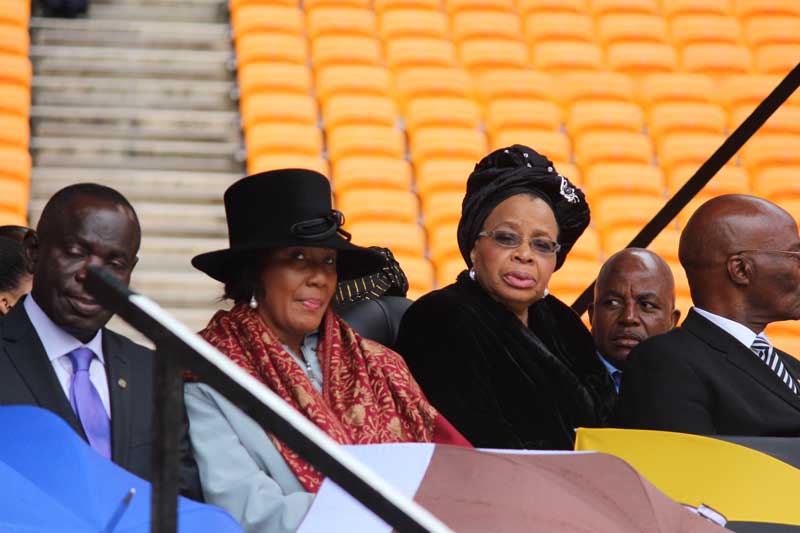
(89, 232)
(633, 301)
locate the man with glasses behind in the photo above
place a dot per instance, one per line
(718, 373)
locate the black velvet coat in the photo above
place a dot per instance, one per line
(501, 384)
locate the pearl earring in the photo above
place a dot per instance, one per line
(472, 273)
(546, 292)
(253, 303)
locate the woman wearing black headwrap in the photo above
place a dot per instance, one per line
(508, 365)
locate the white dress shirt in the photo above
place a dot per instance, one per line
(738, 331)
(309, 363)
(58, 344)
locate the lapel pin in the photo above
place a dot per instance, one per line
(122, 383)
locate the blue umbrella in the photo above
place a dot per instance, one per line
(51, 480)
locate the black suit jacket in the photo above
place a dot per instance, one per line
(28, 378)
(699, 379)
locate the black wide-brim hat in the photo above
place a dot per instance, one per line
(281, 209)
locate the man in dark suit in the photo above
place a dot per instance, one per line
(54, 349)
(718, 373)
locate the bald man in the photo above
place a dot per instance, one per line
(634, 298)
(718, 374)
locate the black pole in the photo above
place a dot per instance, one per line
(707, 170)
(167, 406)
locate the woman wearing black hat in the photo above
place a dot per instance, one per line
(508, 365)
(287, 251)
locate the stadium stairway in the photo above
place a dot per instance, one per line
(140, 96)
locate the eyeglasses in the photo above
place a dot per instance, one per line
(509, 239)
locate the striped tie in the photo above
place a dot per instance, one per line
(764, 350)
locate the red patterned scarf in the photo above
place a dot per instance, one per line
(368, 394)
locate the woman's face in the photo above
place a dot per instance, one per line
(298, 284)
(516, 277)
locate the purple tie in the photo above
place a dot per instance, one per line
(86, 403)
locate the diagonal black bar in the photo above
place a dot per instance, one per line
(707, 170)
(399, 512)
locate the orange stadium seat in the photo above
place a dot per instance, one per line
(729, 180)
(385, 6)
(401, 238)
(17, 13)
(434, 143)
(571, 172)
(274, 77)
(612, 147)
(442, 111)
(276, 138)
(637, 27)
(683, 148)
(558, 26)
(16, 69)
(693, 29)
(777, 58)
(673, 8)
(575, 275)
(443, 175)
(340, 21)
(408, 52)
(527, 7)
(587, 246)
(15, 163)
(624, 210)
(14, 197)
(751, 8)
(14, 131)
(746, 90)
(442, 208)
(397, 23)
(565, 56)
(309, 5)
(352, 80)
(666, 244)
(274, 161)
(277, 47)
(432, 81)
(779, 29)
(634, 178)
(266, 18)
(419, 272)
(16, 39)
(513, 83)
(453, 7)
(786, 119)
(522, 113)
(371, 172)
(786, 336)
(554, 144)
(605, 7)
(777, 183)
(15, 99)
(235, 5)
(276, 107)
(579, 86)
(589, 116)
(792, 205)
(642, 58)
(359, 109)
(362, 140)
(448, 271)
(675, 87)
(479, 55)
(772, 150)
(444, 244)
(716, 58)
(669, 118)
(329, 50)
(387, 205)
(486, 24)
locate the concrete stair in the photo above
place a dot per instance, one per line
(141, 96)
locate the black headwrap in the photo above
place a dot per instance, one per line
(520, 170)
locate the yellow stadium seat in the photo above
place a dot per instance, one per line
(683, 148)
(274, 77)
(567, 56)
(363, 140)
(442, 208)
(443, 175)
(16, 39)
(16, 69)
(275, 138)
(480, 55)
(624, 210)
(486, 24)
(605, 7)
(666, 244)
(340, 21)
(400, 238)
(527, 7)
(587, 246)
(266, 18)
(579, 86)
(625, 27)
(575, 275)
(776, 58)
(673, 8)
(558, 26)
(751, 8)
(387, 205)
(514, 83)
(442, 111)
(675, 87)
(671, 117)
(729, 180)
(352, 80)
(746, 90)
(446, 143)
(455, 6)
(773, 150)
(692, 29)
(17, 13)
(15, 99)
(522, 113)
(359, 109)
(14, 131)
(642, 58)
(371, 172)
(778, 29)
(612, 147)
(385, 6)
(276, 107)
(408, 52)
(570, 171)
(329, 50)
(432, 81)
(447, 272)
(418, 271)
(15, 163)
(309, 5)
(443, 243)
(716, 58)
(777, 183)
(274, 161)
(621, 178)
(397, 23)
(786, 119)
(553, 144)
(589, 116)
(275, 47)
